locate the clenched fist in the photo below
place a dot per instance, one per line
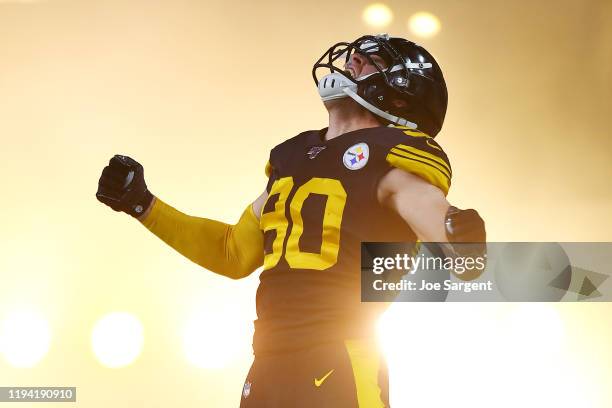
(465, 230)
(122, 186)
(464, 226)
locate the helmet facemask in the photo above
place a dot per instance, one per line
(394, 90)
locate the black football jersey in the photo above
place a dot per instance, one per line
(322, 204)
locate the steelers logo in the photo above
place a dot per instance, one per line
(356, 156)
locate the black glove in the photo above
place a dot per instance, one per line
(465, 231)
(464, 226)
(122, 186)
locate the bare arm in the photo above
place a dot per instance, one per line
(422, 205)
(425, 208)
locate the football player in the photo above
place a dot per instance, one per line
(375, 173)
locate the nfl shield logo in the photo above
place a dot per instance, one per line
(356, 156)
(246, 390)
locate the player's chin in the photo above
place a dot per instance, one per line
(340, 102)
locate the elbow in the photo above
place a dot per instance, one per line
(246, 267)
(239, 274)
(234, 271)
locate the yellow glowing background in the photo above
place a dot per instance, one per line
(199, 92)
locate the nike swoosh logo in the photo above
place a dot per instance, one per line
(319, 382)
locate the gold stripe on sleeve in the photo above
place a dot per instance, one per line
(427, 170)
(423, 159)
(416, 133)
(425, 154)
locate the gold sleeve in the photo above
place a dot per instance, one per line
(425, 164)
(234, 251)
(268, 169)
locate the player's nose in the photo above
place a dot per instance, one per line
(356, 63)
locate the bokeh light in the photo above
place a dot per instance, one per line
(377, 15)
(117, 339)
(25, 338)
(424, 24)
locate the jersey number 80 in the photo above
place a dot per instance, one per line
(276, 220)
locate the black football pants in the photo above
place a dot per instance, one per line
(348, 374)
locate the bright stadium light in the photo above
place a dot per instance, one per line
(481, 349)
(377, 15)
(25, 338)
(117, 339)
(537, 327)
(424, 24)
(215, 340)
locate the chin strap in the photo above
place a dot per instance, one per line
(336, 86)
(385, 115)
(332, 86)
